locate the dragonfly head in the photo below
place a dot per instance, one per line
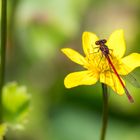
(101, 42)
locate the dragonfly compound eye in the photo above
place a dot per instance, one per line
(104, 41)
(97, 43)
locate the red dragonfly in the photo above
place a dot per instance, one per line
(105, 51)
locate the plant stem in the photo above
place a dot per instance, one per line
(3, 51)
(105, 112)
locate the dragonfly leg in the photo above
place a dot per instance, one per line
(95, 52)
(100, 60)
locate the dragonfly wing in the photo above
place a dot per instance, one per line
(131, 78)
(108, 77)
(114, 79)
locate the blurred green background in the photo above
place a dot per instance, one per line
(37, 30)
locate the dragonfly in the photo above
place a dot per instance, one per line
(105, 52)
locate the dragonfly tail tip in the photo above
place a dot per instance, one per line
(129, 96)
(131, 99)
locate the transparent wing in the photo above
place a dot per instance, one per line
(131, 78)
(113, 79)
(110, 78)
(121, 85)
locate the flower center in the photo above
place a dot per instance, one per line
(98, 62)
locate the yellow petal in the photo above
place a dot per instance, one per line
(112, 80)
(80, 78)
(74, 56)
(116, 43)
(129, 63)
(88, 40)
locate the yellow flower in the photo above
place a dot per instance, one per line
(97, 66)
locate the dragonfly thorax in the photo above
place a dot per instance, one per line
(104, 49)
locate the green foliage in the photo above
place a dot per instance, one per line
(3, 129)
(37, 30)
(16, 103)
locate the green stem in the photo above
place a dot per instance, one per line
(105, 112)
(3, 51)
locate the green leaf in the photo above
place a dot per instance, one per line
(16, 103)
(3, 129)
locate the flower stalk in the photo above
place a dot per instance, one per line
(3, 51)
(105, 112)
